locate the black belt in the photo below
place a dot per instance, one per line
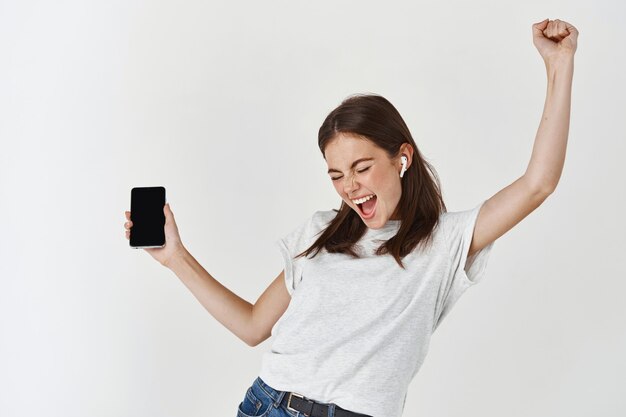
(296, 402)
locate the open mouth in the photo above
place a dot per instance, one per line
(367, 208)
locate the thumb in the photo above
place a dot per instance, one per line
(169, 216)
(539, 27)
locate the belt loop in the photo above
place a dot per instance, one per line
(281, 394)
(331, 410)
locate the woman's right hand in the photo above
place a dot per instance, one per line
(173, 245)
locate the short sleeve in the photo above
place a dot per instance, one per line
(464, 271)
(295, 242)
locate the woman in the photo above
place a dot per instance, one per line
(364, 287)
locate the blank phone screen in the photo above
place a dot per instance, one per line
(146, 213)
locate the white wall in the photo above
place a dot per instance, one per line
(221, 104)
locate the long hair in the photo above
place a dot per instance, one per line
(374, 118)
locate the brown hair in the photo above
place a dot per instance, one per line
(374, 118)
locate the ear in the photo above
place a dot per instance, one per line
(407, 149)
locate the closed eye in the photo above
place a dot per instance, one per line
(363, 170)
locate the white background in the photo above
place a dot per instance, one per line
(221, 102)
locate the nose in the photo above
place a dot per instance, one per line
(348, 184)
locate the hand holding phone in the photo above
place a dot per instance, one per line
(153, 224)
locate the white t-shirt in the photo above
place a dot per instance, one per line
(356, 331)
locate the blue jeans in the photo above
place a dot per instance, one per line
(261, 400)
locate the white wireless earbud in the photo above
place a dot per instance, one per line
(404, 161)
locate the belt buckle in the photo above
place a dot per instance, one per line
(289, 401)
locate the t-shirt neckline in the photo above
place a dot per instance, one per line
(389, 226)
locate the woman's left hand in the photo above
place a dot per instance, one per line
(554, 39)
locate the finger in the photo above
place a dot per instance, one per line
(127, 214)
(539, 27)
(555, 30)
(572, 31)
(550, 30)
(168, 213)
(128, 225)
(561, 30)
(127, 235)
(570, 28)
(564, 32)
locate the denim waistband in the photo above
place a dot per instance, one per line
(274, 394)
(277, 396)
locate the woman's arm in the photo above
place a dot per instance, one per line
(556, 41)
(252, 323)
(548, 155)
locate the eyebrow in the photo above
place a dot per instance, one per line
(353, 164)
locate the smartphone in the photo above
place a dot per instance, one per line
(146, 213)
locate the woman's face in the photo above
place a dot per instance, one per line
(374, 174)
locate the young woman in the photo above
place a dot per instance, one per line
(364, 287)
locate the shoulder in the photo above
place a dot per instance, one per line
(459, 224)
(312, 225)
(451, 219)
(319, 221)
